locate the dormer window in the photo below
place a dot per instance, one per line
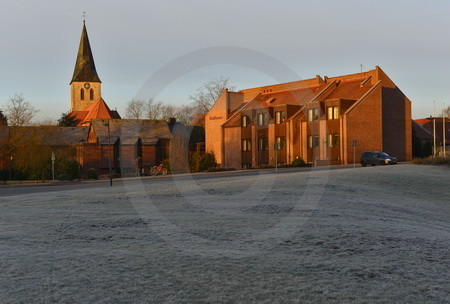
(333, 112)
(245, 121)
(263, 119)
(313, 114)
(280, 117)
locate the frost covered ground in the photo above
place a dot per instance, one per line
(363, 235)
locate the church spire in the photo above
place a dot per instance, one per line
(85, 67)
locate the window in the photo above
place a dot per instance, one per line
(246, 145)
(263, 119)
(313, 114)
(281, 142)
(333, 112)
(313, 141)
(279, 117)
(263, 144)
(316, 141)
(329, 112)
(333, 140)
(91, 94)
(310, 115)
(245, 121)
(336, 112)
(82, 94)
(260, 119)
(246, 166)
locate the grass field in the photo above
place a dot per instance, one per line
(363, 235)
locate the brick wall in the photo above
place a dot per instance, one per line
(364, 124)
(213, 126)
(232, 148)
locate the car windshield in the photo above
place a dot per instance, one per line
(384, 154)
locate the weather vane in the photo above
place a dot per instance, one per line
(84, 17)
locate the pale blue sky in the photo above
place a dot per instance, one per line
(131, 40)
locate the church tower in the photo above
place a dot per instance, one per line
(85, 87)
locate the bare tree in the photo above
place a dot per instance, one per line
(208, 93)
(159, 110)
(153, 109)
(167, 112)
(185, 114)
(135, 108)
(19, 111)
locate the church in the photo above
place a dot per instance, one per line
(85, 87)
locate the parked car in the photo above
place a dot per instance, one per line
(377, 158)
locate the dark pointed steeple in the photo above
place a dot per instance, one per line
(85, 67)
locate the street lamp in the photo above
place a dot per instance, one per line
(109, 154)
(10, 164)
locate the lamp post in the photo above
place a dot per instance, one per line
(53, 166)
(443, 130)
(10, 164)
(109, 157)
(434, 128)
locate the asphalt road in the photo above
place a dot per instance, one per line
(12, 190)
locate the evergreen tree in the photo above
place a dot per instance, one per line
(3, 119)
(67, 120)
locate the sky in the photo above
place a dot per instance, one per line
(136, 41)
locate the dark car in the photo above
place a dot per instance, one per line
(377, 158)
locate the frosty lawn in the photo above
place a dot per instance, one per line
(364, 235)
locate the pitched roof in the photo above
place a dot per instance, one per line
(85, 67)
(295, 97)
(98, 109)
(53, 135)
(422, 121)
(421, 132)
(129, 131)
(350, 89)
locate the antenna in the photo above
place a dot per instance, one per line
(362, 68)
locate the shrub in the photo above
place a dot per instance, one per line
(92, 174)
(199, 162)
(71, 169)
(298, 162)
(65, 177)
(439, 160)
(166, 165)
(207, 161)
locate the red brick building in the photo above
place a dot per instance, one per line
(436, 126)
(134, 145)
(318, 120)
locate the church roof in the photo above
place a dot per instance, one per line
(98, 109)
(85, 67)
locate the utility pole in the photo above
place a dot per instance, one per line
(434, 128)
